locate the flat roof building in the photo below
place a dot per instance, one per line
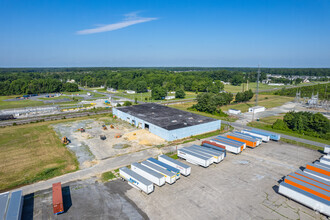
(168, 123)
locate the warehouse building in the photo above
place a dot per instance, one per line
(168, 123)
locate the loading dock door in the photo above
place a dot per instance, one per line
(146, 126)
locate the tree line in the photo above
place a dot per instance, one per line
(306, 91)
(35, 86)
(315, 125)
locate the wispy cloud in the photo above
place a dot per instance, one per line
(130, 19)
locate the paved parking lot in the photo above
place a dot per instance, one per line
(240, 187)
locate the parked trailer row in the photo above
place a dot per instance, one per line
(169, 176)
(149, 174)
(249, 141)
(184, 169)
(173, 170)
(325, 160)
(310, 187)
(264, 138)
(272, 136)
(136, 180)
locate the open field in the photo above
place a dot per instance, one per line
(242, 186)
(30, 153)
(267, 122)
(253, 86)
(184, 106)
(268, 101)
(17, 104)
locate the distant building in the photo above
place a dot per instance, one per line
(169, 97)
(276, 84)
(130, 92)
(257, 109)
(234, 111)
(111, 90)
(225, 83)
(71, 81)
(306, 81)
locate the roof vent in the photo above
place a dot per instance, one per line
(180, 115)
(191, 118)
(174, 121)
(200, 121)
(185, 123)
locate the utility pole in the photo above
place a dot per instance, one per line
(257, 85)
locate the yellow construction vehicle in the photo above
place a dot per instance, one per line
(65, 140)
(104, 127)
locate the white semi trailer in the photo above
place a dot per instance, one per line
(264, 138)
(136, 180)
(184, 169)
(217, 155)
(149, 174)
(195, 158)
(169, 176)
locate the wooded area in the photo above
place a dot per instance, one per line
(322, 89)
(38, 80)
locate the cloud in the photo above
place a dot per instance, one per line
(130, 19)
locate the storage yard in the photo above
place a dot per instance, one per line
(239, 187)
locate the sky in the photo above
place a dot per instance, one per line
(160, 33)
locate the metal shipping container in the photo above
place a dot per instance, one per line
(221, 154)
(14, 211)
(149, 174)
(57, 199)
(195, 158)
(201, 153)
(4, 199)
(169, 176)
(265, 138)
(311, 181)
(184, 169)
(175, 171)
(272, 136)
(136, 180)
(307, 175)
(250, 142)
(230, 146)
(218, 156)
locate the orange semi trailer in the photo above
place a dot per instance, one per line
(57, 199)
(246, 140)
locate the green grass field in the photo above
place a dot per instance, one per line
(17, 104)
(185, 106)
(253, 86)
(268, 101)
(30, 153)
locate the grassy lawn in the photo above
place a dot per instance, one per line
(268, 101)
(184, 106)
(56, 98)
(301, 144)
(30, 153)
(266, 123)
(17, 104)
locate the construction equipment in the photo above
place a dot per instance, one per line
(81, 129)
(65, 140)
(104, 127)
(112, 127)
(118, 136)
(103, 137)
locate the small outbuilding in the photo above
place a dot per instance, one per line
(257, 109)
(234, 111)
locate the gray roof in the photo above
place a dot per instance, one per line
(136, 176)
(174, 161)
(3, 204)
(165, 117)
(146, 169)
(15, 206)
